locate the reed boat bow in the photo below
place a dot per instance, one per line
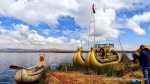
(32, 74)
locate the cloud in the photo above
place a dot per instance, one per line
(56, 40)
(134, 23)
(36, 12)
(21, 37)
(77, 43)
(46, 31)
(103, 21)
(48, 11)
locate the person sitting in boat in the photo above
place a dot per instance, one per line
(103, 53)
(114, 53)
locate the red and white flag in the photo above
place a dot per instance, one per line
(93, 8)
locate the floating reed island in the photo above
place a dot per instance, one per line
(78, 72)
(119, 73)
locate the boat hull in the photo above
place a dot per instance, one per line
(31, 75)
(94, 62)
(87, 60)
(23, 76)
(78, 58)
(74, 58)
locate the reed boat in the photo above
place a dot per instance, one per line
(32, 74)
(100, 54)
(103, 54)
(78, 58)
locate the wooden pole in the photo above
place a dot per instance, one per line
(89, 31)
(94, 28)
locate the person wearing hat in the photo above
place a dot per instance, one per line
(144, 59)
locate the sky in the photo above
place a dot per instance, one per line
(65, 24)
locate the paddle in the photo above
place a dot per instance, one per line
(16, 67)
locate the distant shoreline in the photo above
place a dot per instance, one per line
(53, 51)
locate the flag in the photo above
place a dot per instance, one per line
(93, 8)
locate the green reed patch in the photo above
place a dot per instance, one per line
(109, 70)
(43, 75)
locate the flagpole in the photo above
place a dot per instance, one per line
(94, 22)
(89, 31)
(94, 28)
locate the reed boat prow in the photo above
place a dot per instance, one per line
(31, 74)
(78, 58)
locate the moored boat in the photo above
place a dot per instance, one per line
(32, 74)
(100, 55)
(103, 54)
(78, 58)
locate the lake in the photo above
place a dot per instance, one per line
(30, 59)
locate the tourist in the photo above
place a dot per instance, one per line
(144, 58)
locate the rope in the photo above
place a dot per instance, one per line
(59, 78)
(121, 45)
(125, 58)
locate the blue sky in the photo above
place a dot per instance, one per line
(44, 24)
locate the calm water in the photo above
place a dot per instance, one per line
(29, 59)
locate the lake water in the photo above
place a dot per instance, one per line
(30, 59)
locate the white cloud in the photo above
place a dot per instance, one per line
(49, 11)
(77, 43)
(34, 11)
(22, 37)
(46, 31)
(56, 40)
(127, 47)
(67, 32)
(103, 21)
(135, 21)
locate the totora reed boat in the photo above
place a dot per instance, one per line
(103, 54)
(32, 74)
(78, 58)
(100, 55)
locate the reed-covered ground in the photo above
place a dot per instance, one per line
(121, 73)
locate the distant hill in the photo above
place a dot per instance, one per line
(48, 50)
